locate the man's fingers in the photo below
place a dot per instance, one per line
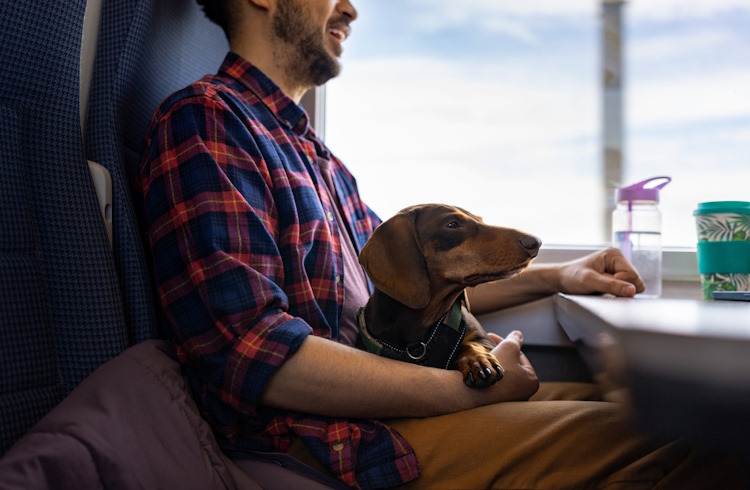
(624, 275)
(620, 287)
(515, 335)
(617, 287)
(619, 283)
(631, 278)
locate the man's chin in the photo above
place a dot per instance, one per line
(324, 70)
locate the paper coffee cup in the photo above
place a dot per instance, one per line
(723, 229)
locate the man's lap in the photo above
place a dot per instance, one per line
(564, 437)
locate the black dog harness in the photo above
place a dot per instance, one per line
(438, 349)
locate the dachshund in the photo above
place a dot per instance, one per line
(420, 262)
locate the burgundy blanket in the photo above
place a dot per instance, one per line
(132, 424)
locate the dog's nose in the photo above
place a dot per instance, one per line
(530, 244)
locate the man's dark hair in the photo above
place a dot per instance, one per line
(219, 12)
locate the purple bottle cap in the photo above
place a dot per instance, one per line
(639, 191)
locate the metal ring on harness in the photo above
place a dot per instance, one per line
(417, 357)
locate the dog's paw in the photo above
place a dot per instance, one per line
(479, 367)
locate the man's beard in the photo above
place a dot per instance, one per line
(307, 62)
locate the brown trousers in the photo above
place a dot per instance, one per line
(565, 437)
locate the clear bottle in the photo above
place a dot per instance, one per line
(636, 230)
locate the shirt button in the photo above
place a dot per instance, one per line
(329, 215)
(338, 278)
(338, 446)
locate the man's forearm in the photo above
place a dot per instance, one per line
(331, 379)
(327, 378)
(535, 282)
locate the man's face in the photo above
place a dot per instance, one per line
(311, 32)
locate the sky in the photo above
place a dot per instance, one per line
(495, 105)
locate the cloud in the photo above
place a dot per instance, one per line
(682, 99)
(681, 44)
(521, 20)
(439, 101)
(653, 9)
(527, 20)
(450, 10)
(422, 121)
(678, 10)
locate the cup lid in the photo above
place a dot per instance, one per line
(639, 191)
(738, 207)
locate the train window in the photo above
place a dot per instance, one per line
(498, 107)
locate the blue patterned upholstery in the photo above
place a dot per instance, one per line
(67, 302)
(61, 314)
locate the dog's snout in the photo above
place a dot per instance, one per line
(530, 244)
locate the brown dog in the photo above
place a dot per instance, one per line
(420, 261)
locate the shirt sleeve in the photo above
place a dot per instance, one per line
(211, 224)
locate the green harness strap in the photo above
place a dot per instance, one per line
(454, 318)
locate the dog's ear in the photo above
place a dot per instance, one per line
(394, 261)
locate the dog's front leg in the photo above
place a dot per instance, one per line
(475, 361)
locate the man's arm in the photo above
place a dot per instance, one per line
(605, 271)
(331, 379)
(328, 378)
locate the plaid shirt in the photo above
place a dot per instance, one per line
(247, 260)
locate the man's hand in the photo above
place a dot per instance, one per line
(606, 271)
(520, 380)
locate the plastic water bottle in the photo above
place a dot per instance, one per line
(636, 230)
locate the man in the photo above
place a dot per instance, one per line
(254, 227)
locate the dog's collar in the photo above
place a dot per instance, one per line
(439, 348)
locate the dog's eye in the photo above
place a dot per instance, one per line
(452, 224)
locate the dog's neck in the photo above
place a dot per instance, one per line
(391, 320)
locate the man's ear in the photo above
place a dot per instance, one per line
(394, 261)
(262, 4)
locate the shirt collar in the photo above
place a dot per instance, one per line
(289, 113)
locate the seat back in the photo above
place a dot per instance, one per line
(147, 49)
(61, 314)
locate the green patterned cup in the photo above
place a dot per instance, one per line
(723, 246)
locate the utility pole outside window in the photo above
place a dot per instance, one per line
(612, 104)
